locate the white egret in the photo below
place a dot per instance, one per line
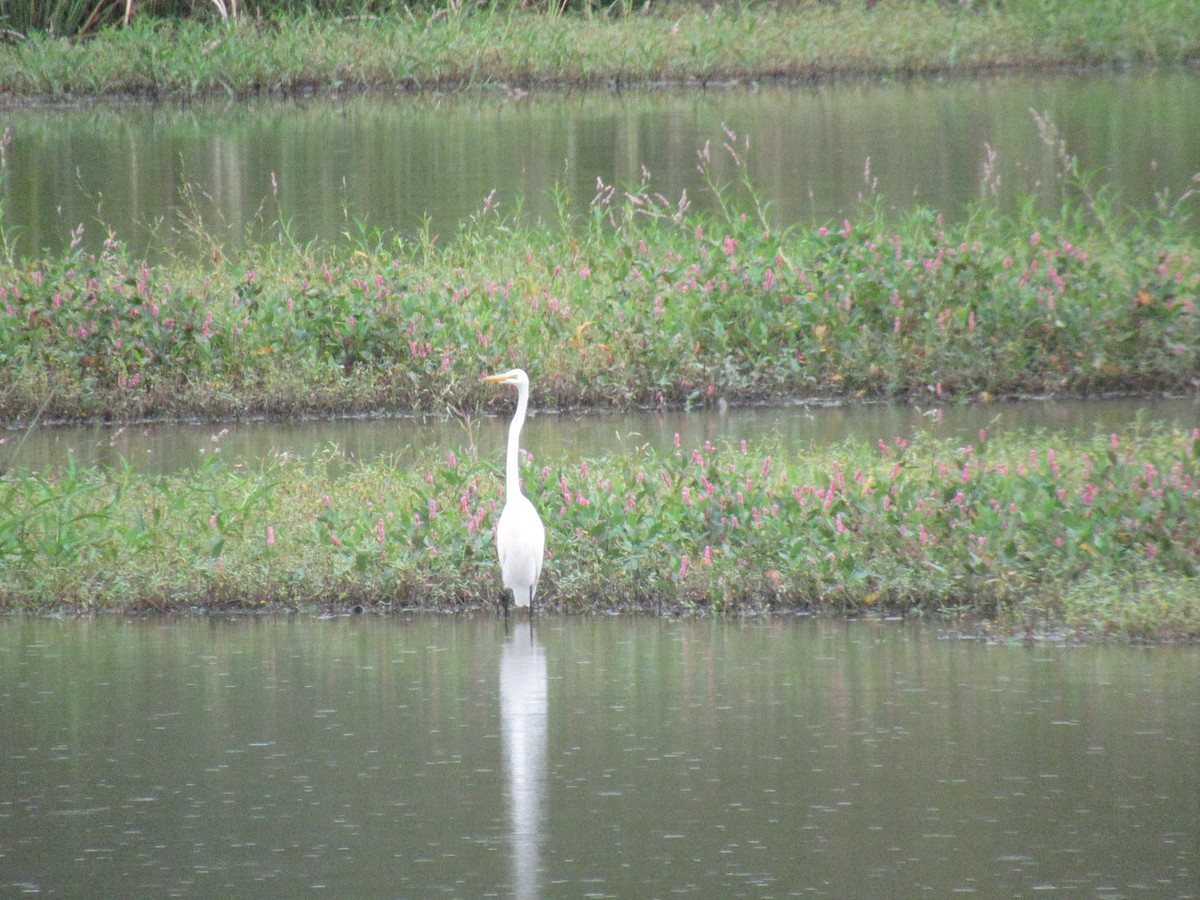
(520, 535)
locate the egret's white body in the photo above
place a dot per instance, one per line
(520, 535)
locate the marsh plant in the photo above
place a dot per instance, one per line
(1098, 533)
(639, 301)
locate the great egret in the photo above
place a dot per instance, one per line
(520, 535)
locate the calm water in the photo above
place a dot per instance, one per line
(166, 448)
(608, 757)
(157, 174)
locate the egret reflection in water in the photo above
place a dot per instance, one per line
(523, 719)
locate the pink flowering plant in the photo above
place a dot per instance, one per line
(638, 301)
(1098, 535)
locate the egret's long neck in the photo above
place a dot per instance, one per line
(512, 478)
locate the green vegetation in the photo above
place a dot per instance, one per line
(355, 46)
(1098, 537)
(642, 302)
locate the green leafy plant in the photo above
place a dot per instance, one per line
(1011, 526)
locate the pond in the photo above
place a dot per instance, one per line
(167, 179)
(169, 447)
(590, 757)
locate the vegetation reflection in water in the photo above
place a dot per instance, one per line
(165, 448)
(216, 175)
(622, 757)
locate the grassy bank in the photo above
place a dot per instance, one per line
(461, 47)
(639, 302)
(1096, 536)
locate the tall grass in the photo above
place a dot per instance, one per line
(291, 47)
(62, 18)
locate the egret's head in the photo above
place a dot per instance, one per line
(512, 376)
